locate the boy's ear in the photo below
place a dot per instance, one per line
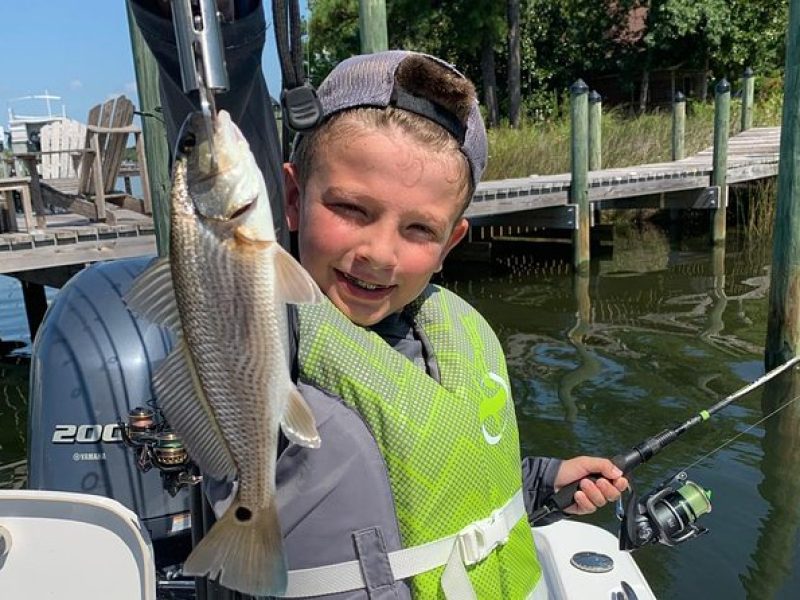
(460, 229)
(291, 196)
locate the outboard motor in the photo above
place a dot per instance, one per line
(91, 365)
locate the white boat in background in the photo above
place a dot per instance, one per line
(23, 126)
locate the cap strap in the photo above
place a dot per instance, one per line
(429, 109)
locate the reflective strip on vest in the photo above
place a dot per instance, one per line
(467, 547)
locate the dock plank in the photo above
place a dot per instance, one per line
(752, 155)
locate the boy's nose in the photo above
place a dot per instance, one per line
(379, 250)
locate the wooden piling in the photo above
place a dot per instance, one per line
(678, 126)
(35, 305)
(783, 324)
(155, 135)
(579, 190)
(595, 131)
(372, 26)
(722, 112)
(747, 98)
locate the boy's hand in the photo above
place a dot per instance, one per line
(608, 486)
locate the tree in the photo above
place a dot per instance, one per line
(332, 35)
(464, 33)
(696, 27)
(514, 67)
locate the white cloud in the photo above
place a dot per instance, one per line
(130, 87)
(75, 84)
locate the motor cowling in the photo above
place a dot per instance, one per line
(92, 363)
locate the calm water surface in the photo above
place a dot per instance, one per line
(661, 329)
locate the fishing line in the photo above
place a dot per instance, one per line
(645, 450)
(741, 433)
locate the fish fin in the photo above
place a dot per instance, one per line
(298, 421)
(185, 406)
(152, 296)
(294, 284)
(244, 556)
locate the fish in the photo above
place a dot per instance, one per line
(226, 386)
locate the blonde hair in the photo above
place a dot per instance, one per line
(420, 76)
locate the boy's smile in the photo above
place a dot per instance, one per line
(376, 219)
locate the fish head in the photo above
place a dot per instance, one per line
(224, 185)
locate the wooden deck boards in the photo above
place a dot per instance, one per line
(71, 239)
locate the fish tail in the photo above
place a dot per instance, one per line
(244, 550)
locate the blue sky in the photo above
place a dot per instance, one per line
(77, 49)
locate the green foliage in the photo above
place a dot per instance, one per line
(567, 39)
(755, 37)
(332, 35)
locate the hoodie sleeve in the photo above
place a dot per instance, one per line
(538, 483)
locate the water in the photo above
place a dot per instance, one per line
(657, 333)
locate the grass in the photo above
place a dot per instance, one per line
(542, 148)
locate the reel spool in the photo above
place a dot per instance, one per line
(155, 445)
(667, 515)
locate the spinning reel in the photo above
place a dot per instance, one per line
(666, 515)
(155, 445)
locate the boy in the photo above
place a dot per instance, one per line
(418, 477)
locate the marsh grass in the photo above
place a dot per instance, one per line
(542, 148)
(755, 208)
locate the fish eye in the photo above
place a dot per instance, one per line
(243, 209)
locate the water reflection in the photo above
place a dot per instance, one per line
(771, 573)
(658, 331)
(588, 364)
(13, 419)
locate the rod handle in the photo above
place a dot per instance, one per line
(566, 496)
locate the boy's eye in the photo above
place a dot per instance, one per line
(346, 208)
(423, 230)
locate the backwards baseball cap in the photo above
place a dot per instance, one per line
(369, 80)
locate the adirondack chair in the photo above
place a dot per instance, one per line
(62, 142)
(80, 164)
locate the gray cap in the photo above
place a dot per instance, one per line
(369, 80)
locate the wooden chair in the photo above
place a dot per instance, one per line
(79, 165)
(62, 143)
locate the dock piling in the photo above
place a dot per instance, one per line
(595, 131)
(33, 295)
(747, 98)
(156, 152)
(678, 126)
(783, 325)
(579, 191)
(372, 26)
(722, 112)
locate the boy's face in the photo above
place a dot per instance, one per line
(377, 218)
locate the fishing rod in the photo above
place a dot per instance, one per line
(668, 514)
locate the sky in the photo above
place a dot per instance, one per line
(79, 50)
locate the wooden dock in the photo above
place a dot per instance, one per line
(68, 240)
(543, 201)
